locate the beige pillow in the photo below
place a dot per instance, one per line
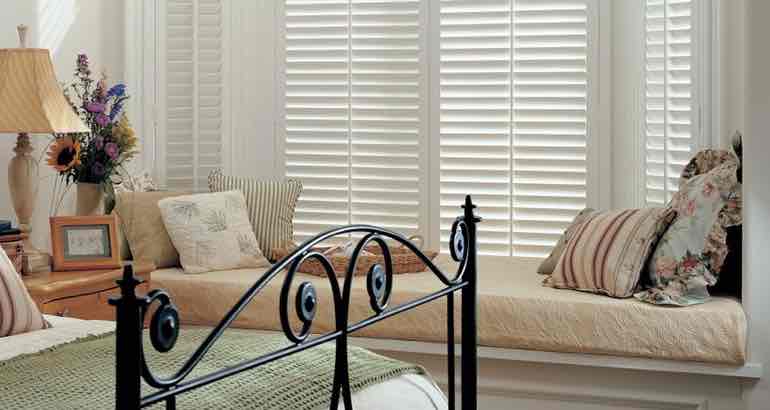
(18, 312)
(125, 250)
(549, 264)
(143, 226)
(608, 251)
(271, 205)
(212, 232)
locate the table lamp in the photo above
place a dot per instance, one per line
(31, 102)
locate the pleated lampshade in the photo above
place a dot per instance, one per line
(31, 99)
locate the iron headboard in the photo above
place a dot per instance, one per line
(131, 367)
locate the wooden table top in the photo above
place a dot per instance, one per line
(53, 285)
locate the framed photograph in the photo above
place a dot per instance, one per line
(85, 242)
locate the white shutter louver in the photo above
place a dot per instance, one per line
(671, 126)
(386, 116)
(192, 130)
(514, 118)
(317, 116)
(353, 113)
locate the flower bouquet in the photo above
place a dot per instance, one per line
(96, 157)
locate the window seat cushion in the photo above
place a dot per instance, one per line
(515, 311)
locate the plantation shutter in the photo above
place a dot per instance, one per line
(671, 125)
(192, 131)
(514, 118)
(353, 113)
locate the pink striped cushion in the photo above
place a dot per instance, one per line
(608, 251)
(18, 313)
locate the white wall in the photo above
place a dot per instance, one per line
(757, 194)
(731, 67)
(66, 27)
(254, 128)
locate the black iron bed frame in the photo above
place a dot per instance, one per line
(131, 367)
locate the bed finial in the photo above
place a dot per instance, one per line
(469, 206)
(129, 282)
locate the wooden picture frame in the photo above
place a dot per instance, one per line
(85, 242)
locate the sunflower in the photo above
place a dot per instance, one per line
(64, 154)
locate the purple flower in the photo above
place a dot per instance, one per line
(102, 120)
(112, 150)
(99, 143)
(115, 110)
(95, 107)
(98, 169)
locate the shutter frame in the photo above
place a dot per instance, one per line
(673, 94)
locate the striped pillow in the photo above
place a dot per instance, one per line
(270, 203)
(608, 251)
(18, 313)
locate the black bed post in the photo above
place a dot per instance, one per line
(469, 358)
(128, 339)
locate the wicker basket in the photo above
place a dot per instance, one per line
(404, 260)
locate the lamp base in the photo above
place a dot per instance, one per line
(23, 186)
(35, 260)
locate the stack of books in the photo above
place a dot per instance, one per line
(11, 240)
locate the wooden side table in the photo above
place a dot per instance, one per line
(81, 294)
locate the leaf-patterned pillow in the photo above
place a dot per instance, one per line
(691, 252)
(212, 232)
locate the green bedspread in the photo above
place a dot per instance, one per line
(80, 375)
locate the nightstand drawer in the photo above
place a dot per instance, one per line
(82, 307)
(93, 306)
(82, 294)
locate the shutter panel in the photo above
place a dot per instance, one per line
(670, 105)
(550, 120)
(194, 75)
(353, 112)
(514, 118)
(385, 114)
(475, 117)
(317, 117)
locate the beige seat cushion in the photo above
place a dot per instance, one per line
(143, 226)
(18, 312)
(515, 312)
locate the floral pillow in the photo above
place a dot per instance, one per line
(691, 252)
(211, 232)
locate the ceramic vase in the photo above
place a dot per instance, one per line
(90, 199)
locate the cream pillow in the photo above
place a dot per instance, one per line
(211, 232)
(18, 313)
(271, 206)
(549, 264)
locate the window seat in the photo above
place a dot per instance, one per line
(515, 312)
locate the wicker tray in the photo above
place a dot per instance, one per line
(404, 260)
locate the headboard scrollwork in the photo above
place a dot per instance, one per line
(165, 320)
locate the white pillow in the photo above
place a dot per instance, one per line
(211, 232)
